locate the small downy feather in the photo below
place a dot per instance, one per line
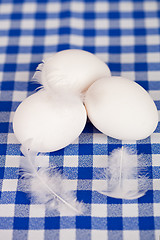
(125, 177)
(37, 74)
(56, 82)
(55, 79)
(46, 187)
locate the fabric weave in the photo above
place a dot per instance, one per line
(125, 35)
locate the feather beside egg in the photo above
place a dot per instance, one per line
(124, 176)
(46, 187)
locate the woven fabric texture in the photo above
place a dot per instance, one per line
(125, 35)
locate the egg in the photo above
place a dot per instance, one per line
(49, 122)
(120, 108)
(72, 70)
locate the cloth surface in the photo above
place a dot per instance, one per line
(125, 35)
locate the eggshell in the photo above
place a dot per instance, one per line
(51, 123)
(73, 70)
(122, 109)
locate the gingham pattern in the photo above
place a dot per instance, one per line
(124, 34)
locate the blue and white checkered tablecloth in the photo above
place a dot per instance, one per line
(126, 35)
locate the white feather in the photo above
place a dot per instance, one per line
(37, 74)
(47, 188)
(125, 176)
(57, 83)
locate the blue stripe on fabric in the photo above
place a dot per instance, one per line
(115, 49)
(99, 32)
(74, 14)
(99, 223)
(7, 197)
(11, 173)
(36, 223)
(21, 223)
(6, 222)
(52, 223)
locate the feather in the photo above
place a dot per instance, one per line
(125, 176)
(57, 82)
(47, 188)
(37, 74)
(55, 78)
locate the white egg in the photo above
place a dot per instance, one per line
(122, 109)
(51, 123)
(73, 70)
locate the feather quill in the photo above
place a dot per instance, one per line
(47, 188)
(125, 176)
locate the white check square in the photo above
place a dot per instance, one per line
(99, 234)
(36, 234)
(130, 210)
(37, 211)
(99, 210)
(9, 185)
(7, 210)
(67, 234)
(131, 235)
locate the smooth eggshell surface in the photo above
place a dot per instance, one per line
(122, 109)
(51, 123)
(74, 70)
